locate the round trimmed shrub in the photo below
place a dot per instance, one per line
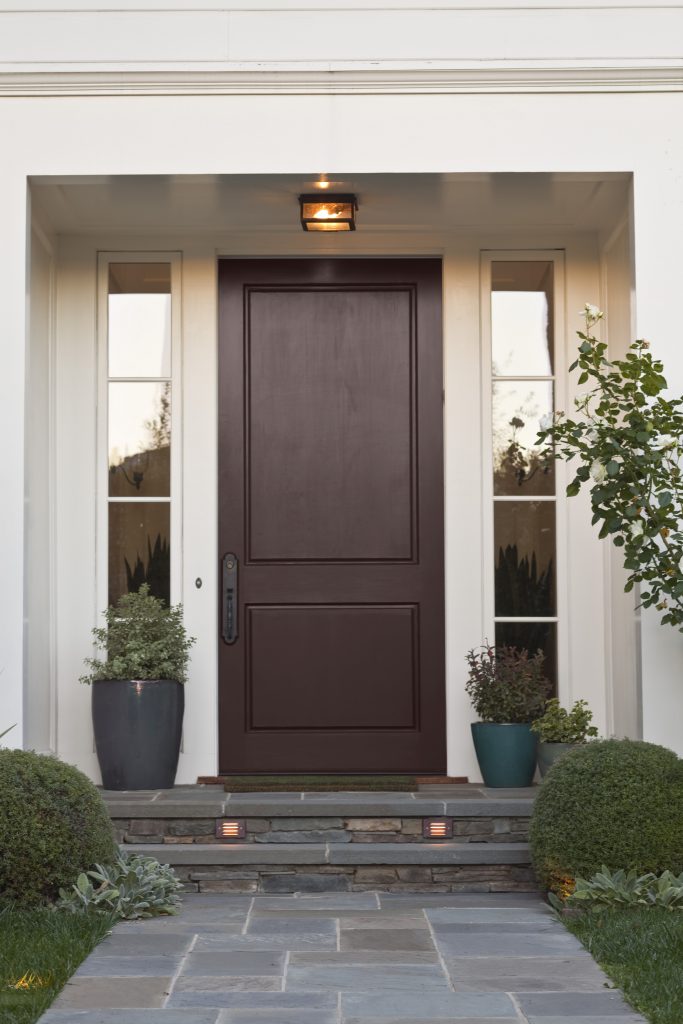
(612, 802)
(53, 825)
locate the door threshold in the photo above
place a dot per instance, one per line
(281, 783)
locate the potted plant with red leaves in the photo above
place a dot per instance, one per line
(508, 689)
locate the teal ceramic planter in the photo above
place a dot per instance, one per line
(506, 753)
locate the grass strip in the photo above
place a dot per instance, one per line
(641, 949)
(318, 783)
(39, 951)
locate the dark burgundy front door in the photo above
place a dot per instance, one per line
(331, 499)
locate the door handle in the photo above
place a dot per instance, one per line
(230, 632)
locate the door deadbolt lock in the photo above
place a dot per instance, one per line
(230, 632)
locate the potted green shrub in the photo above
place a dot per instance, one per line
(559, 730)
(508, 689)
(137, 691)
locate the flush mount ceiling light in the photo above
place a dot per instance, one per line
(334, 213)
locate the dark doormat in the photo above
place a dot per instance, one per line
(323, 783)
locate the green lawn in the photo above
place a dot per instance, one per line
(39, 951)
(642, 952)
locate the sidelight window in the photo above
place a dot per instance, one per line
(140, 424)
(522, 383)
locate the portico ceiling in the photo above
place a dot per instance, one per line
(225, 204)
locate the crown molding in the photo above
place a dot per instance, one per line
(357, 81)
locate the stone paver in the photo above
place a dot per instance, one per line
(344, 958)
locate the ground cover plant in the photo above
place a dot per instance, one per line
(624, 889)
(133, 887)
(39, 951)
(641, 950)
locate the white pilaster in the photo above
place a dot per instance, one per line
(658, 220)
(13, 294)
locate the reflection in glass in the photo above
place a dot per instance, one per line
(140, 320)
(522, 318)
(139, 335)
(524, 538)
(139, 439)
(532, 636)
(520, 466)
(139, 549)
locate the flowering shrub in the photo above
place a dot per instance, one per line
(629, 442)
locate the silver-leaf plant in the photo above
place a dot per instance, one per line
(133, 887)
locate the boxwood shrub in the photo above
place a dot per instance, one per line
(617, 803)
(53, 825)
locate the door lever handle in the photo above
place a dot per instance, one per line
(230, 632)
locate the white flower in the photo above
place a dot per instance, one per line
(546, 422)
(598, 471)
(582, 401)
(592, 436)
(636, 530)
(591, 312)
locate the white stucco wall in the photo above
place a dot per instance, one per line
(546, 88)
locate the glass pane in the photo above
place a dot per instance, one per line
(524, 538)
(532, 636)
(140, 320)
(519, 465)
(522, 319)
(139, 439)
(139, 550)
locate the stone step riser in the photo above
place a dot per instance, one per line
(346, 867)
(327, 878)
(179, 831)
(336, 842)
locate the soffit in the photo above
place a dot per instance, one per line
(391, 202)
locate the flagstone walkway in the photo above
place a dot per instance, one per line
(348, 958)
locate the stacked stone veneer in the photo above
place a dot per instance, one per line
(345, 842)
(263, 878)
(320, 830)
(475, 839)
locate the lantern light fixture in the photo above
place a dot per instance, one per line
(336, 212)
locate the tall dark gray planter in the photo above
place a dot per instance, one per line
(138, 724)
(549, 753)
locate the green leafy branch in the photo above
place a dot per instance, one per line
(629, 442)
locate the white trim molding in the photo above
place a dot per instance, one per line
(288, 80)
